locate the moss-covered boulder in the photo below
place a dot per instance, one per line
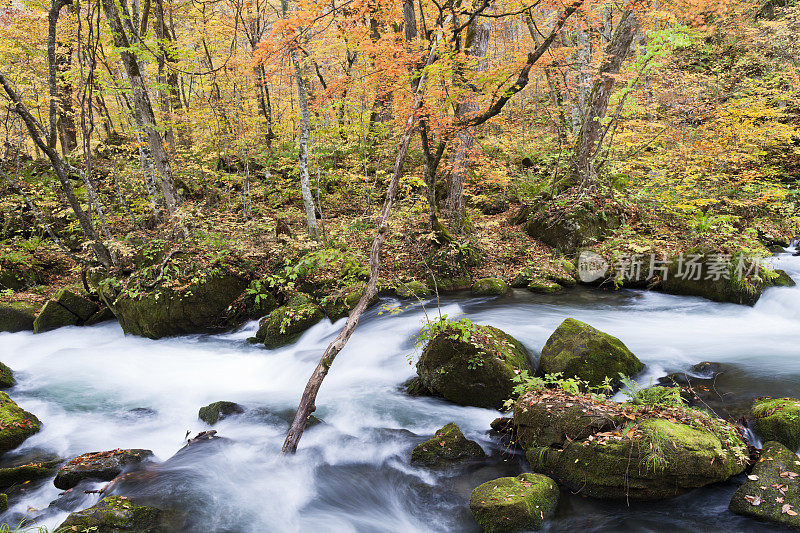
(778, 420)
(6, 377)
(415, 387)
(472, 365)
(512, 504)
(576, 349)
(489, 287)
(79, 306)
(18, 475)
(619, 450)
(195, 298)
(17, 316)
(3, 503)
(53, 316)
(338, 303)
(285, 324)
(543, 286)
(447, 446)
(772, 491)
(118, 514)
(214, 412)
(16, 424)
(570, 229)
(413, 289)
(695, 274)
(103, 466)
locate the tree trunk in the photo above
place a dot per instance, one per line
(586, 145)
(307, 401)
(142, 104)
(476, 44)
(302, 154)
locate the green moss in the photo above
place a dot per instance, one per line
(759, 496)
(53, 316)
(77, 305)
(778, 420)
(514, 503)
(283, 325)
(576, 349)
(6, 377)
(16, 424)
(339, 303)
(214, 412)
(17, 475)
(478, 371)
(447, 446)
(490, 287)
(118, 514)
(17, 316)
(544, 286)
(413, 289)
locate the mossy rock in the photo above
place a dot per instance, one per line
(17, 475)
(339, 303)
(724, 288)
(415, 387)
(573, 229)
(118, 514)
(3, 503)
(79, 306)
(661, 460)
(412, 289)
(104, 466)
(17, 316)
(778, 420)
(285, 324)
(489, 287)
(544, 420)
(53, 316)
(103, 315)
(576, 349)
(511, 504)
(447, 446)
(16, 424)
(544, 286)
(214, 412)
(759, 496)
(258, 301)
(6, 377)
(478, 372)
(201, 305)
(450, 284)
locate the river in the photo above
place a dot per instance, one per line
(352, 472)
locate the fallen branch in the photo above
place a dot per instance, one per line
(161, 269)
(307, 405)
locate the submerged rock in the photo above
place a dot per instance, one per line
(620, 450)
(447, 446)
(285, 324)
(476, 371)
(489, 287)
(118, 514)
(512, 504)
(214, 412)
(772, 491)
(576, 349)
(16, 424)
(778, 420)
(104, 466)
(17, 316)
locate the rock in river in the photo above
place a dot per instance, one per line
(778, 420)
(214, 412)
(16, 424)
(118, 514)
(576, 349)
(514, 503)
(103, 466)
(472, 365)
(447, 446)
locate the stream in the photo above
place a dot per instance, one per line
(352, 472)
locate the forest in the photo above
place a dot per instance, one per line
(420, 265)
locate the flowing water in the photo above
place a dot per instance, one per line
(352, 473)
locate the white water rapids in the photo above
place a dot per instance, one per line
(352, 473)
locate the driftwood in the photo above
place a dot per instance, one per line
(307, 405)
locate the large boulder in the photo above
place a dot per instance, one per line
(772, 491)
(16, 424)
(512, 504)
(413, 289)
(472, 365)
(118, 514)
(81, 307)
(20, 474)
(17, 316)
(65, 309)
(637, 453)
(286, 323)
(103, 466)
(197, 301)
(778, 420)
(214, 412)
(568, 230)
(447, 446)
(576, 349)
